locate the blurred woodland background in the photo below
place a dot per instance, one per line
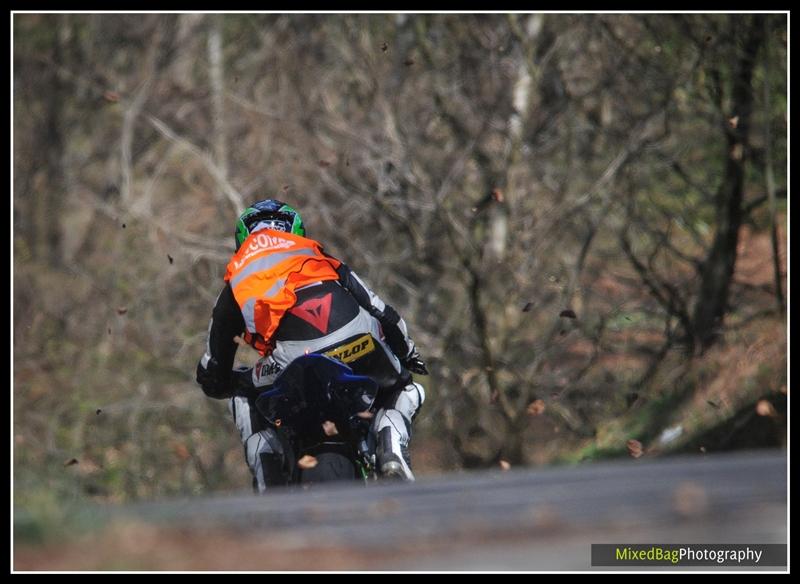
(582, 218)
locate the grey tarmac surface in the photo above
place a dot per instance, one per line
(521, 519)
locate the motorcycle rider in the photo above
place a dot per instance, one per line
(286, 297)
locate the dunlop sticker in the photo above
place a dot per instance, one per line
(352, 351)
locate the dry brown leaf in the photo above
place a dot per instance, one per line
(122, 310)
(307, 462)
(690, 499)
(635, 448)
(545, 517)
(181, 451)
(536, 408)
(765, 408)
(497, 195)
(111, 96)
(71, 462)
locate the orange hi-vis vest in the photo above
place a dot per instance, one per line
(264, 274)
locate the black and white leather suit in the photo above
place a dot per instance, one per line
(354, 310)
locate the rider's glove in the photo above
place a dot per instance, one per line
(209, 378)
(414, 364)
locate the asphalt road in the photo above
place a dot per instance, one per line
(526, 519)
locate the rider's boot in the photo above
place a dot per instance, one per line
(392, 428)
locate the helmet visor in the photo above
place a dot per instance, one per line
(275, 220)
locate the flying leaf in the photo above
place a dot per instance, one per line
(536, 408)
(634, 448)
(765, 408)
(181, 451)
(307, 462)
(690, 499)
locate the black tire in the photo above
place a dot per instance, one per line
(331, 467)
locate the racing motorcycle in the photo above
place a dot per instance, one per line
(324, 411)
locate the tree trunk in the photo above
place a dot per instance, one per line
(216, 76)
(49, 194)
(718, 267)
(770, 180)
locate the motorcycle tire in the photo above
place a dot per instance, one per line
(330, 467)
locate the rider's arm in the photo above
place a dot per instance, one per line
(393, 326)
(215, 370)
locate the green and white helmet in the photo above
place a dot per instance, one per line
(268, 214)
